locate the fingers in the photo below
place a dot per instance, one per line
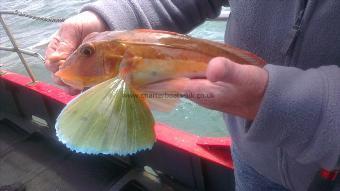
(225, 70)
(57, 52)
(222, 69)
(52, 56)
(62, 45)
(68, 38)
(50, 50)
(55, 56)
(230, 87)
(54, 62)
(202, 92)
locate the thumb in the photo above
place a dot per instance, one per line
(225, 70)
(69, 40)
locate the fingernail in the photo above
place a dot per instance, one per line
(51, 67)
(54, 57)
(61, 63)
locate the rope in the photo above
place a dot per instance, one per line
(46, 19)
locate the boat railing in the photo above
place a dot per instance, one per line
(15, 47)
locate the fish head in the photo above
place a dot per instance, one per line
(93, 62)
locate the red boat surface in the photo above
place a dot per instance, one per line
(31, 155)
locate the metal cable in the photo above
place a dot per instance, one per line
(23, 14)
(15, 46)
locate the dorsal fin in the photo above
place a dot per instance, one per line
(180, 41)
(157, 31)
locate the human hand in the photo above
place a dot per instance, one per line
(230, 87)
(67, 39)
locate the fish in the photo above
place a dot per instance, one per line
(127, 74)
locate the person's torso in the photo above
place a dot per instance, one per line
(299, 33)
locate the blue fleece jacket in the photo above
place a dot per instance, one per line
(297, 130)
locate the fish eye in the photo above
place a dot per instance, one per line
(87, 50)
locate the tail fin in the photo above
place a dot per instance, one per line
(109, 118)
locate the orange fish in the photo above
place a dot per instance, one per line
(131, 71)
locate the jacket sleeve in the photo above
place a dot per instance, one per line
(174, 15)
(300, 113)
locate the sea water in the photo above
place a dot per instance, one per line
(187, 116)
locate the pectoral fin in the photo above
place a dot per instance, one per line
(108, 118)
(160, 95)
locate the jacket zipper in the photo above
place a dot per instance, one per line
(289, 45)
(287, 51)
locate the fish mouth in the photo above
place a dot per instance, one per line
(72, 81)
(80, 82)
(61, 75)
